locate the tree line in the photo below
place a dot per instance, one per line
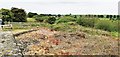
(20, 15)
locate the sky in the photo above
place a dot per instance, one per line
(64, 6)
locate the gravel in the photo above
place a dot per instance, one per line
(7, 44)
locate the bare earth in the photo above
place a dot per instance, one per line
(48, 42)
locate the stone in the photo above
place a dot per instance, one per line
(7, 44)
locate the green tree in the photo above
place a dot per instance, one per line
(19, 15)
(111, 17)
(108, 16)
(30, 14)
(51, 20)
(59, 15)
(6, 15)
(118, 17)
(114, 16)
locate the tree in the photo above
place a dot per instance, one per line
(118, 17)
(75, 16)
(6, 15)
(30, 14)
(100, 16)
(59, 15)
(111, 17)
(95, 15)
(108, 16)
(19, 15)
(114, 16)
(51, 20)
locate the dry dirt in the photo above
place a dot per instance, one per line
(48, 42)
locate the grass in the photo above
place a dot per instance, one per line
(19, 30)
(116, 34)
(104, 18)
(73, 28)
(65, 27)
(31, 20)
(70, 26)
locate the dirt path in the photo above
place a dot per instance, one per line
(47, 42)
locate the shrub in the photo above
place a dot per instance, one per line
(40, 18)
(51, 20)
(106, 25)
(66, 19)
(61, 26)
(86, 22)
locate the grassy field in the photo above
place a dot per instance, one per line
(101, 26)
(65, 27)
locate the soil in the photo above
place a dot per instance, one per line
(49, 42)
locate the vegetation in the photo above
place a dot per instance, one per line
(19, 15)
(86, 22)
(30, 14)
(66, 19)
(6, 15)
(69, 22)
(13, 15)
(51, 20)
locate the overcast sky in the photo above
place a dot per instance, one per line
(64, 6)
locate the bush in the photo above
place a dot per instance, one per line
(66, 19)
(40, 18)
(86, 22)
(61, 26)
(106, 25)
(51, 20)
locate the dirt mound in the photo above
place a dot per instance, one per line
(49, 42)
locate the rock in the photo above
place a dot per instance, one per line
(7, 44)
